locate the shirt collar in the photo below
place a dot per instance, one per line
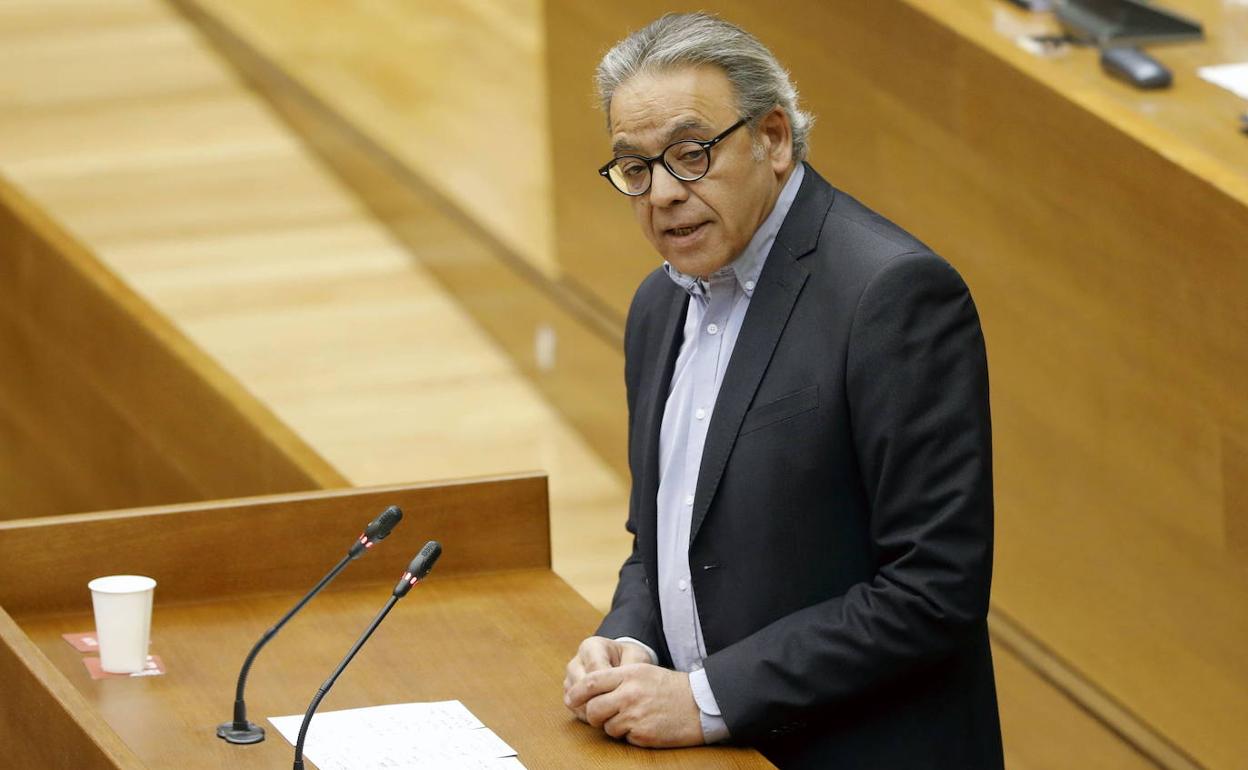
(749, 264)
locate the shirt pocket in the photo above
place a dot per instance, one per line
(789, 405)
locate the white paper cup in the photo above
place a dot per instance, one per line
(123, 620)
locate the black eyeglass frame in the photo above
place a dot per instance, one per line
(706, 145)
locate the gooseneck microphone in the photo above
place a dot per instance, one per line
(240, 730)
(416, 572)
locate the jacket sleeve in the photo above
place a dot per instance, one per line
(633, 611)
(632, 608)
(917, 386)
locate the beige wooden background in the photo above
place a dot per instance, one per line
(289, 190)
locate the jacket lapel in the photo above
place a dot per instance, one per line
(779, 285)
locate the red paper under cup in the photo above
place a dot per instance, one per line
(154, 667)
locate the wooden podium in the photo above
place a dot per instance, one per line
(492, 627)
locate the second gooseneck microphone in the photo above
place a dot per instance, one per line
(239, 730)
(416, 571)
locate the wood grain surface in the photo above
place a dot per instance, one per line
(272, 543)
(397, 69)
(491, 626)
(48, 724)
(497, 642)
(119, 120)
(104, 404)
(496, 272)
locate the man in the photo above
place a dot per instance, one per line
(809, 443)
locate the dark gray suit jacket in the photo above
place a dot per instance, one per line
(841, 548)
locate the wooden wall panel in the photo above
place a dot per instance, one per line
(449, 89)
(1103, 233)
(509, 293)
(104, 404)
(272, 543)
(55, 728)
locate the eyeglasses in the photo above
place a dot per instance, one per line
(688, 160)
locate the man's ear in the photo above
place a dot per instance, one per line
(776, 134)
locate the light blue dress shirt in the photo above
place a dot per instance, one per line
(716, 310)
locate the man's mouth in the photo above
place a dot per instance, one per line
(681, 232)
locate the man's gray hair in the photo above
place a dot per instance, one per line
(689, 39)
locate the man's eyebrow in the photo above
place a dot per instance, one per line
(688, 124)
(624, 147)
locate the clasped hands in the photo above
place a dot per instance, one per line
(613, 685)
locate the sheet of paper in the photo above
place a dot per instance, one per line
(443, 735)
(1232, 77)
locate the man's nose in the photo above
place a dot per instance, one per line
(665, 189)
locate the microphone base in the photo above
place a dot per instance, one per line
(228, 731)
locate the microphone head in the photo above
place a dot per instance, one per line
(419, 568)
(424, 561)
(380, 527)
(376, 531)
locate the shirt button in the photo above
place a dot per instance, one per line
(700, 414)
(712, 329)
(749, 286)
(689, 500)
(682, 584)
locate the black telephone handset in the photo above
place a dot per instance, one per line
(1136, 67)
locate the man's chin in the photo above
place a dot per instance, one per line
(699, 265)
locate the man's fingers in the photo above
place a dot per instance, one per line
(616, 726)
(592, 680)
(595, 654)
(572, 674)
(577, 711)
(643, 704)
(601, 709)
(593, 684)
(632, 653)
(589, 657)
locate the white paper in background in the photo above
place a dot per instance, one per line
(1232, 77)
(441, 736)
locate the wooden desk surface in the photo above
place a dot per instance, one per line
(498, 642)
(492, 627)
(1193, 123)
